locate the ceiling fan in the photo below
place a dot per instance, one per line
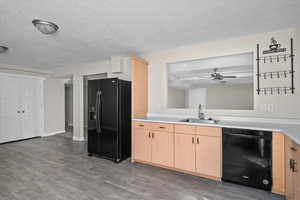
(219, 77)
(215, 76)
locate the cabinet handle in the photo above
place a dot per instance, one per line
(162, 127)
(293, 149)
(152, 135)
(141, 125)
(149, 135)
(293, 165)
(193, 140)
(197, 140)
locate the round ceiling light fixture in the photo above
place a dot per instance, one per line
(3, 49)
(45, 26)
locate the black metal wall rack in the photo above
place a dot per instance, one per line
(276, 74)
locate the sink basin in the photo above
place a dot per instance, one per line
(195, 120)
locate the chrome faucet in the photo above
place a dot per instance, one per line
(200, 112)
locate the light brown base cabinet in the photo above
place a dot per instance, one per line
(142, 144)
(180, 147)
(208, 163)
(197, 150)
(292, 170)
(185, 155)
(153, 143)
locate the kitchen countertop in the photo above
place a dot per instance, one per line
(291, 130)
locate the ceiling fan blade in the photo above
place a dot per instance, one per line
(228, 76)
(194, 78)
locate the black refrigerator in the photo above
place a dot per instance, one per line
(109, 124)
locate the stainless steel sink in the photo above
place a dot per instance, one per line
(195, 120)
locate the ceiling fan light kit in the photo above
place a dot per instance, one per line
(45, 27)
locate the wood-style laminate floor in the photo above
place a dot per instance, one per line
(57, 168)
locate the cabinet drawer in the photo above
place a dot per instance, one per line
(162, 127)
(208, 131)
(141, 125)
(185, 129)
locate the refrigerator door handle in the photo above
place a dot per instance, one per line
(98, 110)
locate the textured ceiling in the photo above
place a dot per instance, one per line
(91, 30)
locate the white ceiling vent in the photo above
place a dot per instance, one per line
(117, 64)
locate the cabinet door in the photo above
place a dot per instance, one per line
(297, 172)
(141, 145)
(139, 87)
(163, 148)
(278, 163)
(289, 185)
(185, 152)
(10, 116)
(208, 156)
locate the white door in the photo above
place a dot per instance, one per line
(30, 107)
(10, 115)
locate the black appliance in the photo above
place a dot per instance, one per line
(247, 157)
(109, 127)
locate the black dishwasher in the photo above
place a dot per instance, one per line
(247, 157)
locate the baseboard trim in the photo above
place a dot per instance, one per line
(275, 191)
(20, 140)
(53, 133)
(80, 139)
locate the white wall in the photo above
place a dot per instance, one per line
(54, 103)
(197, 96)
(235, 96)
(282, 106)
(176, 98)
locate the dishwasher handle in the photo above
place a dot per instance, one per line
(245, 135)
